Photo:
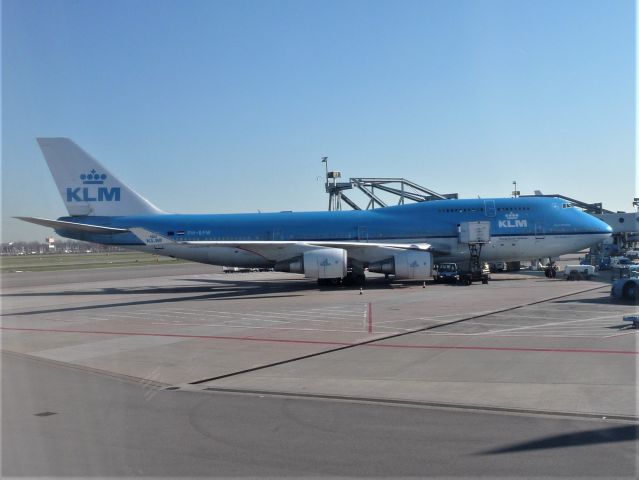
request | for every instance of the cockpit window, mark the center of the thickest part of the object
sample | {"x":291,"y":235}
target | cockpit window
{"x":567,"y":205}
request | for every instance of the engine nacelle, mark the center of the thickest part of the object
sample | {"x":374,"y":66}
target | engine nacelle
{"x":406,"y":265}
{"x":320,"y":263}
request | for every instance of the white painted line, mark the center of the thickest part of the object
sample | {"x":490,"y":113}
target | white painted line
{"x":331,"y":312}
{"x":541,"y":317}
{"x":104,"y":347}
{"x":260,"y":319}
{"x":633,"y":332}
{"x":314,"y":315}
{"x":424,"y":319}
{"x":301,"y":320}
{"x":287,"y":328}
{"x":177,"y":324}
{"x":550,"y":324}
{"x":248,"y":327}
{"x":515,"y":335}
{"x":174,"y":313}
{"x":180,"y":312}
{"x":120,"y":315}
{"x":492,"y":324}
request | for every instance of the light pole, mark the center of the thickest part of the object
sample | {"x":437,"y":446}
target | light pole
{"x":515,"y":192}
{"x":325,"y":162}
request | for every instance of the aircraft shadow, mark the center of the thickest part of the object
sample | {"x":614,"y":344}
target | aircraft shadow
{"x":212,"y":290}
{"x":231,"y":287}
{"x":627,"y":433}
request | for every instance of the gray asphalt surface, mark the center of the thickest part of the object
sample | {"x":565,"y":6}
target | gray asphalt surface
{"x":36,"y":279}
{"x":104,"y":426}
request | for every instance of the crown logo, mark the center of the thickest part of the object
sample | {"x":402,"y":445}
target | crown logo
{"x":93,"y":178}
{"x":512,"y":216}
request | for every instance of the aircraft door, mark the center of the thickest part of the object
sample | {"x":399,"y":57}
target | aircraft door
{"x":362,"y":233}
{"x":489,"y":208}
{"x":539,"y":231}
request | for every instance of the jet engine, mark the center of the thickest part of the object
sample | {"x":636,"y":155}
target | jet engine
{"x":320,"y":263}
{"x":406,"y":265}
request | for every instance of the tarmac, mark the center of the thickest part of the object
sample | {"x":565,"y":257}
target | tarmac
{"x":182,"y":370}
{"x":69,"y":422}
{"x":522,"y":343}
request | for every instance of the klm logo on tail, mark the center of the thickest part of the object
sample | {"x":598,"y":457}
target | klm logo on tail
{"x":91,"y":193}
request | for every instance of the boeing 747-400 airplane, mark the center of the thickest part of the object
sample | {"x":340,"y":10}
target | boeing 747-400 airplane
{"x":403,"y":240}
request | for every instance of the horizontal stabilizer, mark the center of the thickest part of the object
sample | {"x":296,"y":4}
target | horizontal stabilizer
{"x":82,"y":227}
{"x":150,"y":238}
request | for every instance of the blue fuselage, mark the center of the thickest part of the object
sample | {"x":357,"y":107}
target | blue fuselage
{"x":516,"y":225}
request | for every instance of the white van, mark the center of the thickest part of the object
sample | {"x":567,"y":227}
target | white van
{"x":620,"y":262}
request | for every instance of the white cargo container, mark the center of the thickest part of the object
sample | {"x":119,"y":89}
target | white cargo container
{"x":474,"y":232}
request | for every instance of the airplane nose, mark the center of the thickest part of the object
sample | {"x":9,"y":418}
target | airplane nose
{"x":600,"y":227}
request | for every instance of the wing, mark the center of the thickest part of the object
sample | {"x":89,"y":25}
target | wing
{"x":283,"y":250}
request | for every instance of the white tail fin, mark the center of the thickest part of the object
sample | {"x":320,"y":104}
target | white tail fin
{"x":86,"y":187}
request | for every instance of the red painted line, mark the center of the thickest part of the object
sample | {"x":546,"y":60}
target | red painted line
{"x":344,"y":344}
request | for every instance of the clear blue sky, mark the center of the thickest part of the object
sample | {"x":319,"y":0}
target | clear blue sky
{"x":228,"y":106}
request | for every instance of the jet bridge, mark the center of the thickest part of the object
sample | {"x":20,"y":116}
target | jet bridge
{"x":592,"y":208}
{"x":379,"y":192}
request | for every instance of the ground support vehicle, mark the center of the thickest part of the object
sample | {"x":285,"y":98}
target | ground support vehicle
{"x":447,"y":273}
{"x":579,"y":272}
{"x":626,"y":288}
{"x":620,"y":262}
{"x":477,"y":274}
{"x":466,"y":278}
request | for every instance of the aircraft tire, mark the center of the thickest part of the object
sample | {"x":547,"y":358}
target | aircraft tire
{"x":630,"y":291}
